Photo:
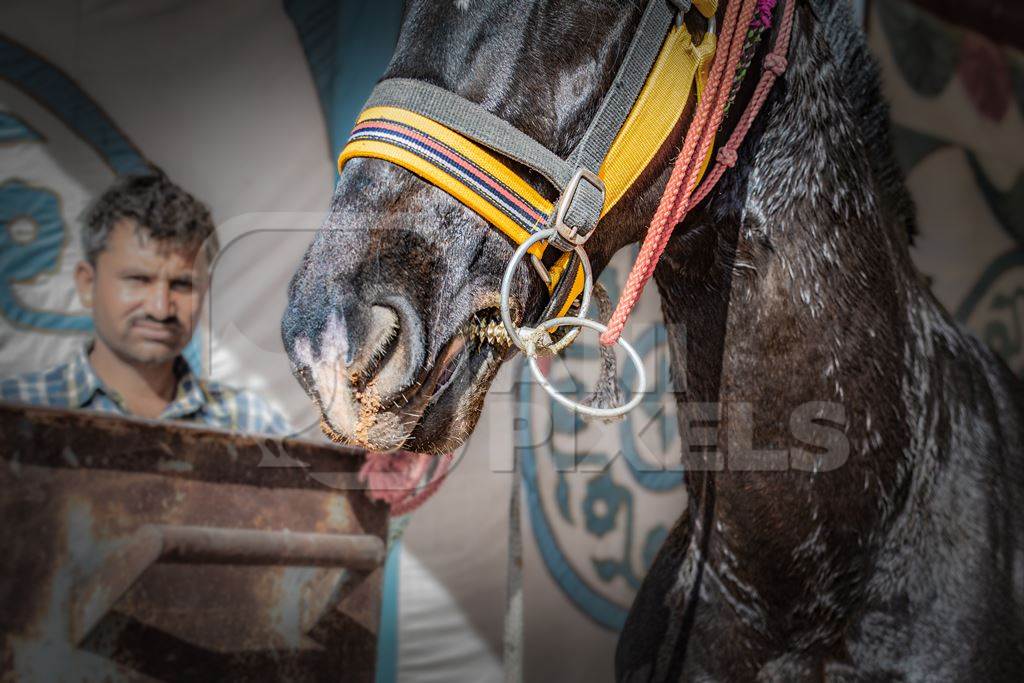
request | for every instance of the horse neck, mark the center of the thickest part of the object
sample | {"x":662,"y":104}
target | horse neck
{"x":798,"y":239}
{"x":792,"y":289}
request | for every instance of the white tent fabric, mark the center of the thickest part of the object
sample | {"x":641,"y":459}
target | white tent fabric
{"x":436,"y":643}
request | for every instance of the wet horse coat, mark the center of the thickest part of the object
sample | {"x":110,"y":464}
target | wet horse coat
{"x":891,"y":553}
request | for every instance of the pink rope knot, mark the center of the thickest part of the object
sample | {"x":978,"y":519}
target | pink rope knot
{"x":726,"y":157}
{"x":775,"y":63}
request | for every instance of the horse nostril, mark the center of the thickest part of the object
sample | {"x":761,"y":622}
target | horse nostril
{"x":364,"y":357}
{"x":388,"y":350}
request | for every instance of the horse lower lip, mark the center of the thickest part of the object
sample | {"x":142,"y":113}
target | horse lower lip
{"x":450,"y":368}
{"x":440,"y":376}
{"x":448,"y":363}
{"x":459,"y":349}
{"x":451,"y":361}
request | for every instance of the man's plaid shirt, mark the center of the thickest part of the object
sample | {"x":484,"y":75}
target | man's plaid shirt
{"x":74,"y":384}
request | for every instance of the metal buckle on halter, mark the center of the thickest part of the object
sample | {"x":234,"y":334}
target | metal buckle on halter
{"x":569,"y":237}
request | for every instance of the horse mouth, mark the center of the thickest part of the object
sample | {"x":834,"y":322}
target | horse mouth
{"x":404,"y":419}
{"x":480,"y":339}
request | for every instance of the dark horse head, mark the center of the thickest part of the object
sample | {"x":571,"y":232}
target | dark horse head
{"x":383,"y":308}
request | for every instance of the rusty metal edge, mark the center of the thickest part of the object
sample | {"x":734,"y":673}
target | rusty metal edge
{"x":50,"y":437}
{"x":118,"y":572}
{"x":124,"y":566}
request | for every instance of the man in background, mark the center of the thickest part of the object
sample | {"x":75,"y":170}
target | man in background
{"x":148,"y":247}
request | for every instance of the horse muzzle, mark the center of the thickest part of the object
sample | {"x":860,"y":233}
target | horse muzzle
{"x":372,"y":374}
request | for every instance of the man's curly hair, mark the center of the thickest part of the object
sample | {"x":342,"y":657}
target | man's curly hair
{"x":161,"y":210}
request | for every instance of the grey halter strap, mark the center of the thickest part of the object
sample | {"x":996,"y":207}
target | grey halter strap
{"x":581,"y":192}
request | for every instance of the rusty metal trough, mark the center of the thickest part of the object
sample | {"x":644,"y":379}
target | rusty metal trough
{"x":137,"y":550}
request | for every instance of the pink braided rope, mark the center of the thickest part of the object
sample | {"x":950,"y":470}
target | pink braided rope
{"x":707,"y":138}
{"x":684,"y":172}
{"x":774,"y":65}
{"x":672,"y":208}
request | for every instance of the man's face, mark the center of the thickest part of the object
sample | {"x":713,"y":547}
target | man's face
{"x":145,"y":295}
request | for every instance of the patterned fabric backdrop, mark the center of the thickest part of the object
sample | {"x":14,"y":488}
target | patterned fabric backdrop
{"x":957,"y":105}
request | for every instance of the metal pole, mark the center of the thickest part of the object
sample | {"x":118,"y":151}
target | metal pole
{"x":210,"y":545}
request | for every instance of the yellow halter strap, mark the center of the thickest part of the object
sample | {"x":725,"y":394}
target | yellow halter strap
{"x":486,"y":185}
